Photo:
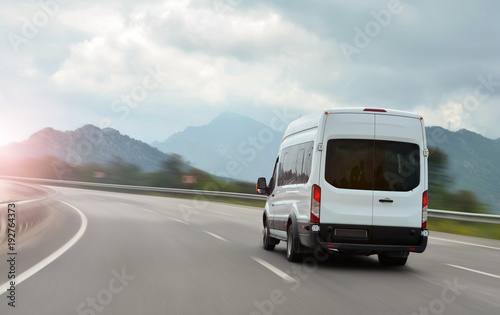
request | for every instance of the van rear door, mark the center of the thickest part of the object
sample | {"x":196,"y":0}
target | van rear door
{"x":399,"y":171}
{"x":346,"y":197}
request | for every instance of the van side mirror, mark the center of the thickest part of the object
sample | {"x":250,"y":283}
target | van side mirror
{"x":262,"y":186}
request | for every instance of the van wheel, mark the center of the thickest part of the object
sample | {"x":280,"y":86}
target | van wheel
{"x":392,"y":261}
{"x":268,"y":241}
{"x":291,"y":254}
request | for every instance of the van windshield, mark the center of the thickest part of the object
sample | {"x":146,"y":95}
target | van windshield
{"x":372,"y":164}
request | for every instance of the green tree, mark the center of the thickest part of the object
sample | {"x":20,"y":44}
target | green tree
{"x":173,"y":164}
{"x":122,"y":172}
{"x":172,"y":168}
{"x":440,"y":187}
{"x":438,"y":168}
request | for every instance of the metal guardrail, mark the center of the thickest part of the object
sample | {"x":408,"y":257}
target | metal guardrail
{"x":136,"y":188}
{"x":441,"y":214}
{"x":465,"y":216}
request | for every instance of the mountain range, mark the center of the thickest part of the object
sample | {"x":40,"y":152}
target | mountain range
{"x":88,"y":144}
{"x":474,"y":162}
{"x":230,"y":146}
{"x":237,"y":147}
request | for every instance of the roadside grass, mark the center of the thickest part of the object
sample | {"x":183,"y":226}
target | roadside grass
{"x":476,"y":229}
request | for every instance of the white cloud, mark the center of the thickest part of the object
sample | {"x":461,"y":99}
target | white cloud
{"x":97,"y":65}
{"x":449,"y":114}
{"x":249,"y":57}
{"x":216,"y":63}
{"x":95,"y":20}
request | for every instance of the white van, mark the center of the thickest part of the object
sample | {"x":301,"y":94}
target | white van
{"x":350,"y":180}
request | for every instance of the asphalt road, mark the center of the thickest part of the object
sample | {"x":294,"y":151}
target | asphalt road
{"x":11,"y":191}
{"x":135,"y":254}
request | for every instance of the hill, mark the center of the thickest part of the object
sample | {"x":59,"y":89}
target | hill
{"x":230,"y":146}
{"x":87,"y":144}
{"x":474,"y":162}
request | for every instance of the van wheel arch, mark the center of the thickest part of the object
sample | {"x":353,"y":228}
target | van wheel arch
{"x":292,"y":254}
{"x":268,"y":241}
{"x":292,"y":226}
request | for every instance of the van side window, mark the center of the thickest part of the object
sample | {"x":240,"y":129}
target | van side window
{"x":272,"y":181}
{"x":306,"y":170}
{"x":300,"y":163}
{"x":284,"y":173}
{"x":372,"y":165}
{"x":296,"y":162}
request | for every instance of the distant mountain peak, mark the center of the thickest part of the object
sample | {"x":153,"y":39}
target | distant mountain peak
{"x":222,"y":147}
{"x":46,"y":130}
{"x":230,"y":115}
{"x":89,"y":127}
{"x":44,"y":135}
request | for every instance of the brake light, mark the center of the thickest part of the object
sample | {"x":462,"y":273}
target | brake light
{"x":315,"y":203}
{"x":379,"y":110}
{"x":424,"y":209}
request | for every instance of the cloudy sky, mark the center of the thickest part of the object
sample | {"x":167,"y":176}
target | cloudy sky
{"x":152,"y":68}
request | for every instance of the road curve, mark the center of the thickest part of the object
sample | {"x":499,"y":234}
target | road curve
{"x":156,"y":255}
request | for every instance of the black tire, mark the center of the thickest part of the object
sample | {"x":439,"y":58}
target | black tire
{"x":392,"y":261}
{"x":268,"y":242}
{"x":291,"y":254}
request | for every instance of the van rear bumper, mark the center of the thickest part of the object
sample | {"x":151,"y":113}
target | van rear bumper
{"x":313,"y":241}
{"x":373,"y":248}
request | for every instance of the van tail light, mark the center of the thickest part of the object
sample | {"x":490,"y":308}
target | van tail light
{"x":424,"y":209}
{"x":315,"y":203}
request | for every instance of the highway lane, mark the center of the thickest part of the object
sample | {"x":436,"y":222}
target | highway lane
{"x":155,"y":255}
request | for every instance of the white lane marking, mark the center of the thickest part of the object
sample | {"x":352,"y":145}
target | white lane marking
{"x":42,"y":264}
{"x":143,"y":209}
{"x":217,"y":236}
{"x":99,"y":198}
{"x":123,"y":204}
{"x":277,"y":271}
{"x":221,"y":213}
{"x":476,"y":271}
{"x":464,"y":243}
{"x":178,"y":220}
{"x":28,"y":201}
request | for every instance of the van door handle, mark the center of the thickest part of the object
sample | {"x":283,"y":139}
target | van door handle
{"x":386,"y":200}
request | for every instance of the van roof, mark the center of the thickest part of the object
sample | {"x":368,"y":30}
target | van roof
{"x":312,"y":120}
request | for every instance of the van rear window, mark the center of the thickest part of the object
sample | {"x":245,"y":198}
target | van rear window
{"x":372,"y":164}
